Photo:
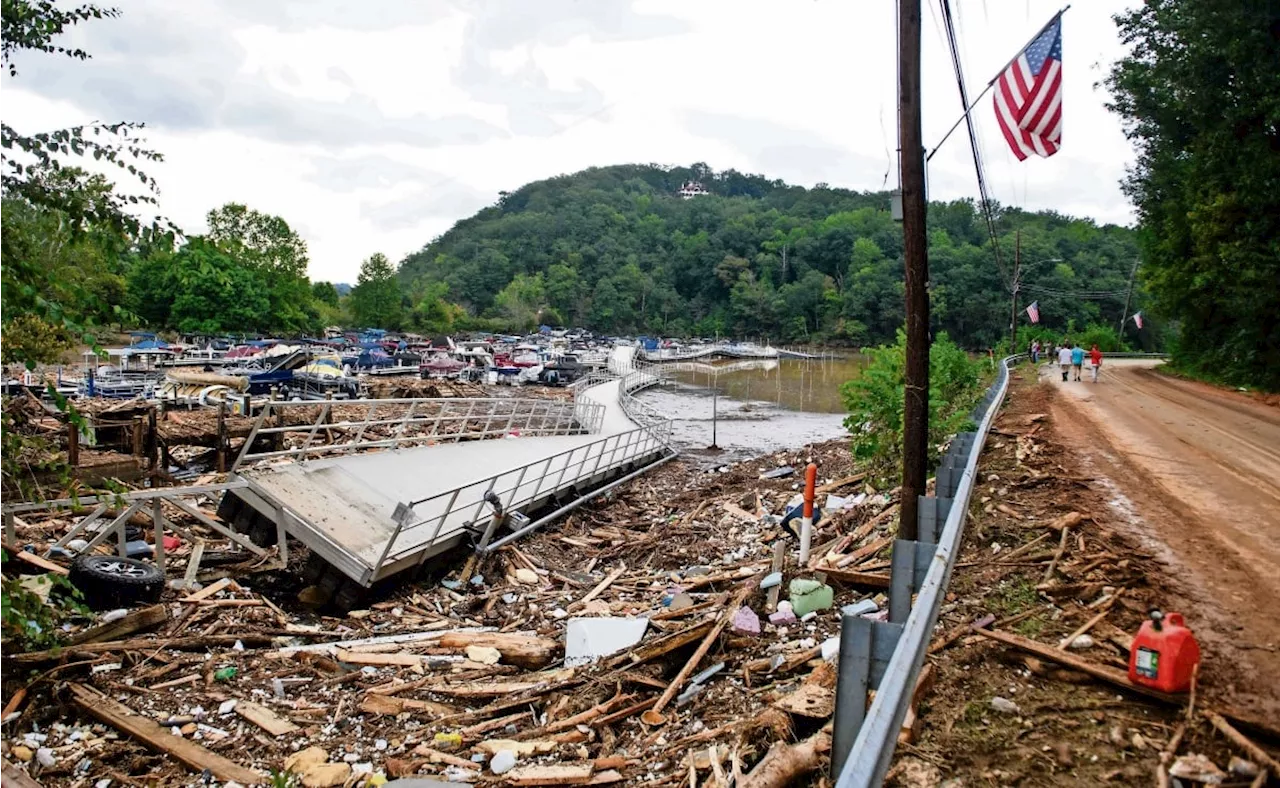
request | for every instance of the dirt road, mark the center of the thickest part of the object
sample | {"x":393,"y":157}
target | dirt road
{"x":1196,"y":477}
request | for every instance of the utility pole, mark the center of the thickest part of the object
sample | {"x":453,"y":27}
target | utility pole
{"x":1129,"y":295}
{"x":1013,"y":311}
{"x":915,"y":422}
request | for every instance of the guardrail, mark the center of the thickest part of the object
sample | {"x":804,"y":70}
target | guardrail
{"x":389,"y":423}
{"x":729,"y":351}
{"x":887,"y":656}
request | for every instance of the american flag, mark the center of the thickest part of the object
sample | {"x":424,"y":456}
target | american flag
{"x":1028,"y":98}
{"x":1033,"y":311}
{"x":1137,"y":320}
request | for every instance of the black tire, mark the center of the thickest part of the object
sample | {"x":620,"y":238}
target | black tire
{"x":263,"y":532}
{"x":314,"y":568}
{"x":107,"y":582}
{"x":350,"y":596}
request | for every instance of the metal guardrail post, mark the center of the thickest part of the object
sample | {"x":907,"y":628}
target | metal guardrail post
{"x":863,"y":763}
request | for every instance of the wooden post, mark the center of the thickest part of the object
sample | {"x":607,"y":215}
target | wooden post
{"x":915,"y":432}
{"x":137,"y":436}
{"x":73,"y":445}
{"x":153,"y":440}
{"x":221,"y":451}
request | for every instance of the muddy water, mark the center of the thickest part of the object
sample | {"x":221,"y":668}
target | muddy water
{"x":759,"y":406}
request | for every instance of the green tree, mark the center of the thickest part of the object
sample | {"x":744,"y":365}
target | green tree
{"x":1199,"y":95}
{"x":269,"y":246}
{"x":215,"y":293}
{"x":375,"y":300}
{"x":52,"y":281}
{"x":325,"y":293}
{"x":520,"y":303}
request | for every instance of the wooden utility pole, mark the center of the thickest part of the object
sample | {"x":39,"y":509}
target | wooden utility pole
{"x":1013,"y":310}
{"x":915,"y":423}
{"x":1129,"y":295}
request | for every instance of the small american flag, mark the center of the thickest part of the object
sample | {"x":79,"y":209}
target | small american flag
{"x":1033,"y":311}
{"x":1137,"y":320}
{"x":1028,"y":99}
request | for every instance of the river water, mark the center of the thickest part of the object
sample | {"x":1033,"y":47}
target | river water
{"x":759,"y":406}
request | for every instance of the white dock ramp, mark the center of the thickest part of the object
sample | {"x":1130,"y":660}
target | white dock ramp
{"x":372,"y":514}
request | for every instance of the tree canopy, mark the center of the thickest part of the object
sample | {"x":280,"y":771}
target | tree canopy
{"x":616,"y":249}
{"x":1199,"y":94}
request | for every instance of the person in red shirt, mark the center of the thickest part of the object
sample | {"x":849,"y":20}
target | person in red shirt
{"x":1095,"y":361}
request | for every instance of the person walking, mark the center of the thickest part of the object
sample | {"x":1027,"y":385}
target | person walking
{"x":1077,"y":360}
{"x":1095,"y":361}
{"x":1064,"y":361}
{"x":1035,"y":352}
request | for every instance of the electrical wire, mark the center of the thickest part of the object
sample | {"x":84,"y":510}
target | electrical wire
{"x":978,"y":165}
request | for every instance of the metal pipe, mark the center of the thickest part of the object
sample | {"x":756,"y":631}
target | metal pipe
{"x":536,"y":524}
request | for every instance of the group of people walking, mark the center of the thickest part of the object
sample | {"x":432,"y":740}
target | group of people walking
{"x":1070,"y":358}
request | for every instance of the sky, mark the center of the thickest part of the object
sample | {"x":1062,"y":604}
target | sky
{"x":374,"y":125}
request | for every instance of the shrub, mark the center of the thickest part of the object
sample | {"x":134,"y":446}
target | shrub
{"x":875,"y":402}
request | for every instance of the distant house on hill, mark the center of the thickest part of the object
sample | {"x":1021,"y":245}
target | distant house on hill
{"x":692,"y":189}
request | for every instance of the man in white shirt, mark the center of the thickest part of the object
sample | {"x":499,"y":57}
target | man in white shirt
{"x":1064,"y":360}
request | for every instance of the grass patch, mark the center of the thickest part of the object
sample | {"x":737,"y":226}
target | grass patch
{"x":1013,"y":597}
{"x":1030,"y":627}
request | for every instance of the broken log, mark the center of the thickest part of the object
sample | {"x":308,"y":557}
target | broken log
{"x":1237,"y":738}
{"x":525,"y":651}
{"x":785,"y":763}
{"x":185,"y":751}
{"x":1110,"y":675}
{"x":136,"y":621}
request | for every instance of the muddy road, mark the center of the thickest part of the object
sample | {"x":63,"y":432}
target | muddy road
{"x":1194,"y":472}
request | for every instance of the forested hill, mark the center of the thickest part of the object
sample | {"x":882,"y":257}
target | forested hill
{"x":615,"y":249}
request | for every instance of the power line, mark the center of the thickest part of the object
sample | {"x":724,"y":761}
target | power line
{"x":979,"y":169}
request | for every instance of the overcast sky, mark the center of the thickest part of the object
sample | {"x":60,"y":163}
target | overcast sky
{"x":374,"y":125}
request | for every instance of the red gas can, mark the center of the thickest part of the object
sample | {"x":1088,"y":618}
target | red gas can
{"x":1164,"y":654}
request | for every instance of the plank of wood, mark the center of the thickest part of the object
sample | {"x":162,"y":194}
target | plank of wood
{"x":191,"y":678}
{"x":662,"y":645}
{"x":1110,"y":675}
{"x":37,"y":561}
{"x":809,"y":700}
{"x":838,"y":483}
{"x":595,"y":592}
{"x":208,"y":590}
{"x":17,"y":778}
{"x":265,"y":718}
{"x":483,"y":689}
{"x":396,"y":659}
{"x":524,"y":650}
{"x":555,"y":774}
{"x":185,"y":751}
{"x":866,"y":551}
{"x":740,"y":513}
{"x":390,"y":704}
{"x":854,"y":578}
{"x":136,"y":621}
{"x":142,"y":644}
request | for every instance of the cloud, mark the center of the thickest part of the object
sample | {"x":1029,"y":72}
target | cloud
{"x":446,"y":199}
{"x":795,"y":155}
{"x":496,"y":26}
{"x":190,"y":78}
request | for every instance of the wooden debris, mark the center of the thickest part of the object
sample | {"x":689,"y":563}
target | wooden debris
{"x":187,"y":752}
{"x":523,"y":650}
{"x":136,"y":621}
{"x":1237,"y":738}
{"x":1057,"y":556}
{"x":785,"y":763}
{"x":209,"y":590}
{"x":663,"y":645}
{"x":838,"y":483}
{"x":265,"y":718}
{"x":1088,"y":625}
{"x":705,"y":646}
{"x":143,"y":644}
{"x":389,"y":704}
{"x":555,"y":774}
{"x":1110,"y":675}
{"x":17,"y":778}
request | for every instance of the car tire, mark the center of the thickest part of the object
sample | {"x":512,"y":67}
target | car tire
{"x":108,"y":582}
